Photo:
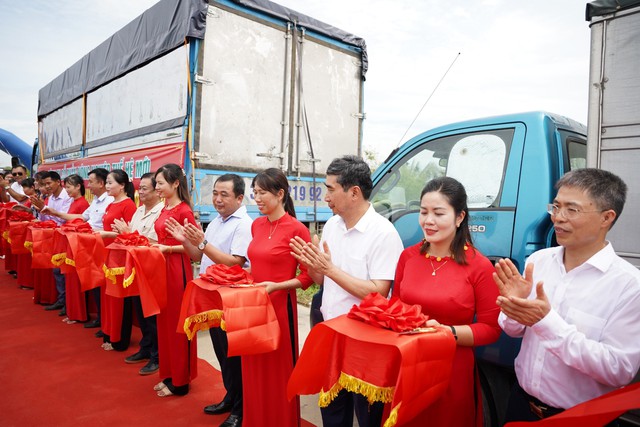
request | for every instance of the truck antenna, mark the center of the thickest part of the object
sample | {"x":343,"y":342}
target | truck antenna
{"x":425,"y":102}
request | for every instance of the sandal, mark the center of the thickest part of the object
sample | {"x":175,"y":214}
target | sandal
{"x":161,"y":385}
{"x":107,"y":346}
{"x":164,"y":392}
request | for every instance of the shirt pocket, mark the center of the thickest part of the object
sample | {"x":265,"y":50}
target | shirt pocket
{"x":586,"y":323}
{"x":356,"y":266}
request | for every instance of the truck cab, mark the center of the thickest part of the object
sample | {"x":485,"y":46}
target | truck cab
{"x":508,"y":165}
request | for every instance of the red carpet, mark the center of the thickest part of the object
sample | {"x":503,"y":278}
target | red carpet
{"x":57,"y":375}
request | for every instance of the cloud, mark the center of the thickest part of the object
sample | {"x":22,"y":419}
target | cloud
{"x":515,"y":56}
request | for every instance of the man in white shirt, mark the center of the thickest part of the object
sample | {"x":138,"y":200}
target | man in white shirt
{"x":357,"y":255}
{"x":225,"y":242}
{"x":12,"y":191}
{"x":580,"y":322}
{"x":143,"y":222}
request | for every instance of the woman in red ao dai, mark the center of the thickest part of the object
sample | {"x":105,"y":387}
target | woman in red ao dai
{"x":453,"y":284}
{"x":265,"y":375}
{"x":178,"y":355}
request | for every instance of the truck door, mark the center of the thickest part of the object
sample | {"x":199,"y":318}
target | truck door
{"x":486,"y":160}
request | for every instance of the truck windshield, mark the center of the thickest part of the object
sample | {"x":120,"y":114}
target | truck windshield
{"x":475,"y":159}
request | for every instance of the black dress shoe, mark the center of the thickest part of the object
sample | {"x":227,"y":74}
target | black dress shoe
{"x":218,"y":408}
{"x":99,"y":334}
{"x":232,"y":421}
{"x":136,"y":358}
{"x":92,"y":324}
{"x":150,"y":368}
{"x":55,"y":306}
{"x":63,"y":312}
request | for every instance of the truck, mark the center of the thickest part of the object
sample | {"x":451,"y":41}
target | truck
{"x":219,"y":86}
{"x":509,"y":164}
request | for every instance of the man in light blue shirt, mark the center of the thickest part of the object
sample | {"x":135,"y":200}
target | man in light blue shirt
{"x":59,"y":201}
{"x":225,"y":242}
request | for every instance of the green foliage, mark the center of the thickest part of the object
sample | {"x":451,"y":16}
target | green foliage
{"x":304,"y":296}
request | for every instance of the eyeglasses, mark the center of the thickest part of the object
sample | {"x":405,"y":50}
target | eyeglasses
{"x":17,"y":173}
{"x":568,"y":213}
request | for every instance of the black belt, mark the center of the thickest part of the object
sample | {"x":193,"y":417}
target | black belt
{"x":541,"y":409}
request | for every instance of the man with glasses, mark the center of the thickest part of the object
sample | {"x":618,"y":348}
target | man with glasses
{"x":12,"y":192}
{"x":580,"y":322}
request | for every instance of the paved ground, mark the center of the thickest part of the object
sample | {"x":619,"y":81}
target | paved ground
{"x":308,"y":404}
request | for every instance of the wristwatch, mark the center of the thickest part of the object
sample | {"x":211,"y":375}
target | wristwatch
{"x":202,"y":245}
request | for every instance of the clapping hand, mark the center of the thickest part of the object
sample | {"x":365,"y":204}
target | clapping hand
{"x":514,"y":291}
{"x":121,"y":226}
{"x":310,"y":255}
{"x":37,"y":203}
{"x":176,"y":230}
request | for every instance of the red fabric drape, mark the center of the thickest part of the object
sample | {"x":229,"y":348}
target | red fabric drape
{"x":593,"y":413}
{"x":337,"y":355}
{"x":18,"y":236}
{"x":40,"y":239}
{"x":133,"y":270}
{"x":245,"y":311}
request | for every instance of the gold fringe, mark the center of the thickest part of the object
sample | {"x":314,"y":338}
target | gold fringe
{"x":393,"y":416}
{"x":202,"y":322}
{"x":5,"y":236}
{"x":58,"y":259}
{"x":29,"y":245}
{"x":129,"y":280}
{"x":111,"y":273}
{"x":371,"y":392}
{"x":70,"y":262}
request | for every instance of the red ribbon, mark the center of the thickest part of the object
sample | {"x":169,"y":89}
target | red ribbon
{"x":391,"y":314}
{"x":44,"y":224}
{"x":223,"y":275}
{"x":76,"y":225}
{"x":132,"y":239}
{"x":20,"y":216}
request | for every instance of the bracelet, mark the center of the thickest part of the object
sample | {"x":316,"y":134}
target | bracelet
{"x":453,"y":331}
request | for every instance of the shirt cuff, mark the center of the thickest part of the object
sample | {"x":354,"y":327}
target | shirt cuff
{"x":550,"y":326}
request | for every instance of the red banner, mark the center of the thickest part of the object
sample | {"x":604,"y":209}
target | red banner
{"x":135,"y":162}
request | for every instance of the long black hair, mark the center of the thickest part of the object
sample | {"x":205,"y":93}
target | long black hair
{"x":74,"y":180}
{"x":456,"y":195}
{"x":122,"y":178}
{"x":172,"y":173}
{"x":273,"y":180}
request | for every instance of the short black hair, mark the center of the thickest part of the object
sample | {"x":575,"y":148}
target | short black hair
{"x":100,"y":173}
{"x":55,"y":176}
{"x":238,"y":182}
{"x":607,"y":190}
{"x":151,"y":176}
{"x":352,"y":171}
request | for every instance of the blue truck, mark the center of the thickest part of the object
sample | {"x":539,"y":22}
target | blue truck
{"x":509,"y":165}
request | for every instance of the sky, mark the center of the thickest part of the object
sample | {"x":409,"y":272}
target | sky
{"x":514,"y":56}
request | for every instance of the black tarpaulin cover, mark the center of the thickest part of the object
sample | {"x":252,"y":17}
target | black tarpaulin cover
{"x":160,"y":29}
{"x":604,"y":7}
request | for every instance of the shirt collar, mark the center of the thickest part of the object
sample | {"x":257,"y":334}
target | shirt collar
{"x":62,"y":195}
{"x":364,"y":222}
{"x":601,"y":260}
{"x":239,"y":213}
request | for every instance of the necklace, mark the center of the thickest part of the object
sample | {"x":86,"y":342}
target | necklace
{"x":432,"y":266}
{"x":274,"y":228}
